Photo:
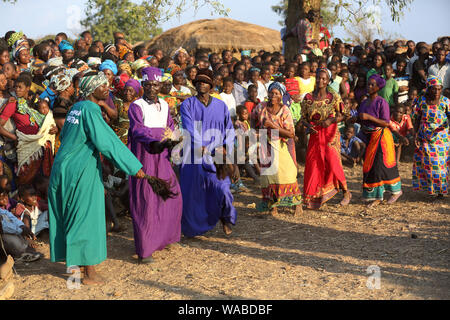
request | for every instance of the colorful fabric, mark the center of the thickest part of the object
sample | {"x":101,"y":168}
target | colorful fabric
{"x":324,"y":175}
{"x":278,"y":86}
{"x":431,"y":166}
{"x":35,"y":116}
{"x":246,"y":53}
{"x":178,"y":51}
{"x":60,"y":82}
{"x":108,"y":64}
{"x":380,"y":172}
{"x":18,"y":47}
{"x":292,"y":86}
{"x":167,"y":77}
{"x":123,"y":51}
{"x":381,"y":83}
{"x":403,"y":127}
{"x":303,"y":31}
{"x":65,"y":45}
{"x":173,"y":68}
{"x":88,"y":84}
{"x":139,"y":64}
{"x":15,"y":37}
{"x":125,"y":66}
{"x":134,"y":84}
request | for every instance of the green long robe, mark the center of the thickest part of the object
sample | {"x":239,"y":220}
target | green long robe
{"x":76,"y":193}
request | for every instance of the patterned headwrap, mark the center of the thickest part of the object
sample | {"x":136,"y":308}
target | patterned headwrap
{"x":60,"y":82}
{"x":327,"y":71}
{"x":254,"y":69}
{"x":151,"y":74}
{"x":381,"y":83}
{"x":167,"y":77}
{"x":139,"y":64}
{"x":246,"y":53}
{"x":94,"y":61}
{"x":278,"y":86}
{"x":123,"y":50}
{"x":55,"y":62}
{"x":173,"y":68}
{"x":72,"y":72}
{"x":15,"y":37}
{"x":108,"y":47}
{"x":88,"y":84}
{"x":433,"y":81}
{"x":108,"y":64}
{"x":18,"y":46}
{"x":134,"y":84}
{"x":178,"y":51}
{"x":80,"y":65}
{"x":125,"y":66}
{"x":120,"y":81}
{"x":64,"y":45}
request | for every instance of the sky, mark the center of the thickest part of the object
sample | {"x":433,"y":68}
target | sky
{"x":425,"y":20}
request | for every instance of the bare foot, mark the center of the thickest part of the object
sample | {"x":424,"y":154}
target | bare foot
{"x":373,"y":204}
{"x":227,"y":228}
{"x":274,"y":211}
{"x":347,"y":198}
{"x":394,"y":198}
{"x":91,"y":277}
{"x":298,"y":210}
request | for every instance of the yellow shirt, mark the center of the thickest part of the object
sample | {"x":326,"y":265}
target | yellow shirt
{"x":306,"y":86}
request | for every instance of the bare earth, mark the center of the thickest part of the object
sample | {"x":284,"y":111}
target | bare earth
{"x":321,"y":255}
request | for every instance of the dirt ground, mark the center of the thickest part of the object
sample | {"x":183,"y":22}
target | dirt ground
{"x":321,"y":255}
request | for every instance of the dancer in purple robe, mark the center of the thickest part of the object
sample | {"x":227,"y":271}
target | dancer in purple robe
{"x":156,"y":223}
{"x":206,"y":198}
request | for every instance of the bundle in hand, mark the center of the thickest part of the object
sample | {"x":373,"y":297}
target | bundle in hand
{"x":160,"y":187}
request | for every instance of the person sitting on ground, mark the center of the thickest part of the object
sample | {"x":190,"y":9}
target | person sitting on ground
{"x":352,"y":148}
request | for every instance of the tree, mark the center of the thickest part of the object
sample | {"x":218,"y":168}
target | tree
{"x":346,"y":12}
{"x":138,"y":21}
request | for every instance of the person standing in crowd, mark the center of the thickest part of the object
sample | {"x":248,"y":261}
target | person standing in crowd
{"x":278,"y":165}
{"x":76,"y":192}
{"x":207,"y":198}
{"x":324,"y":176}
{"x":380,"y":165}
{"x":303,"y":32}
{"x":431,"y":163}
{"x":156,"y":222}
{"x":441,"y":68}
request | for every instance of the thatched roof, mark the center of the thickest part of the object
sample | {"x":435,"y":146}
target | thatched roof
{"x":217,"y":35}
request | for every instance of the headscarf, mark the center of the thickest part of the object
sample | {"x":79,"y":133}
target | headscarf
{"x":167,"y":77}
{"x":253,"y":69}
{"x":55,"y":62}
{"x":178,"y":51}
{"x":80,"y":65}
{"x":108,"y":47}
{"x":15,"y":37}
{"x":134,"y":84}
{"x":433,"y":81}
{"x":379,"y":80}
{"x":246,"y":53}
{"x":120,"y":81}
{"x":18,"y":46}
{"x":278,"y":86}
{"x":108,"y":64}
{"x":88,"y":84}
{"x":94,"y":61}
{"x":72,"y":72}
{"x":139,"y":64}
{"x":64,"y":45}
{"x":328,"y":72}
{"x":151,"y":74}
{"x":123,"y":50}
{"x":60,"y":82}
{"x":173,"y":68}
{"x":125,"y":66}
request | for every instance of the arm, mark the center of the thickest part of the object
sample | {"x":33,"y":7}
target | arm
{"x":111,"y":112}
{"x":7,"y":112}
{"x":138,"y":131}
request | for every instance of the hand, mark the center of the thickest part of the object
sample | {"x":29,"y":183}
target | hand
{"x":326,"y":123}
{"x":140,"y":174}
{"x":268,"y":123}
{"x":26,"y":232}
{"x":53,"y":130}
{"x":417,"y":141}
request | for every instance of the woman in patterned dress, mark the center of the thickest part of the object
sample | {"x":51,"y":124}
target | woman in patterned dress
{"x":324,"y":176}
{"x":432,"y":156}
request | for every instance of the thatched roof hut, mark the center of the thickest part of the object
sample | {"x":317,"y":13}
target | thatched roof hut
{"x":217,"y":35}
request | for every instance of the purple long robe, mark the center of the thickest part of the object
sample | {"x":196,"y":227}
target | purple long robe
{"x":156,"y":223}
{"x":206,"y":199}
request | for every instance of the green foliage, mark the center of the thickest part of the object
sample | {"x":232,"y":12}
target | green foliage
{"x":137,"y":20}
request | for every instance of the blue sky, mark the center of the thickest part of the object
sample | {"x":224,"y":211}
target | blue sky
{"x":37,"y":18}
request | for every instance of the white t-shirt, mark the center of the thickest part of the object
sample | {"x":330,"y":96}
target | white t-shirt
{"x":183,"y":90}
{"x":230,"y":102}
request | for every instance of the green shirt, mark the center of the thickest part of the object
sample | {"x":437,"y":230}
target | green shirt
{"x":389,"y":90}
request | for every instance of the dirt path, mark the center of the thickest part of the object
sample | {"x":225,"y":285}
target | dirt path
{"x":322,"y":255}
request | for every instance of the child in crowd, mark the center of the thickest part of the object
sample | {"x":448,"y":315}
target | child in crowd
{"x":6,"y":202}
{"x":402,"y":129}
{"x":242,"y":126}
{"x":402,"y":79}
{"x":252,"y":100}
{"x":27,"y":210}
{"x":352,"y":148}
{"x":306,"y":82}
{"x":227,"y":96}
{"x":390,"y":90}
{"x":292,"y":88}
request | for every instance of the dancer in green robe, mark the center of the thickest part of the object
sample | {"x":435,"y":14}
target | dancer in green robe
{"x":76,"y":192}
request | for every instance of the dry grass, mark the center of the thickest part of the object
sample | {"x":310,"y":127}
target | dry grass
{"x":321,"y":255}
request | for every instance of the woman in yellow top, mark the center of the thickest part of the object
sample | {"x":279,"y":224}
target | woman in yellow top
{"x":306,"y":82}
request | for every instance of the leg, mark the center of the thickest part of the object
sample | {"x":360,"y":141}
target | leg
{"x":347,"y":198}
{"x":298,"y":210}
{"x":226,"y":227}
{"x":274,"y":211}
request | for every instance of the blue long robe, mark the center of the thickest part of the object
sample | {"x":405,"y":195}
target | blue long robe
{"x":206,"y":199}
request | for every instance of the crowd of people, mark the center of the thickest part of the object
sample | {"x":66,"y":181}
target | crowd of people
{"x":84,"y":126}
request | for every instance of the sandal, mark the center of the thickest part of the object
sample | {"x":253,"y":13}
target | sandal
{"x":29,"y":257}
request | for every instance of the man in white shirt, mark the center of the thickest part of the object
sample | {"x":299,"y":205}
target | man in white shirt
{"x":441,"y":69}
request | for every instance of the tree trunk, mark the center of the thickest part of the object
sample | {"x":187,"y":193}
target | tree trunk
{"x":298,"y":9}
